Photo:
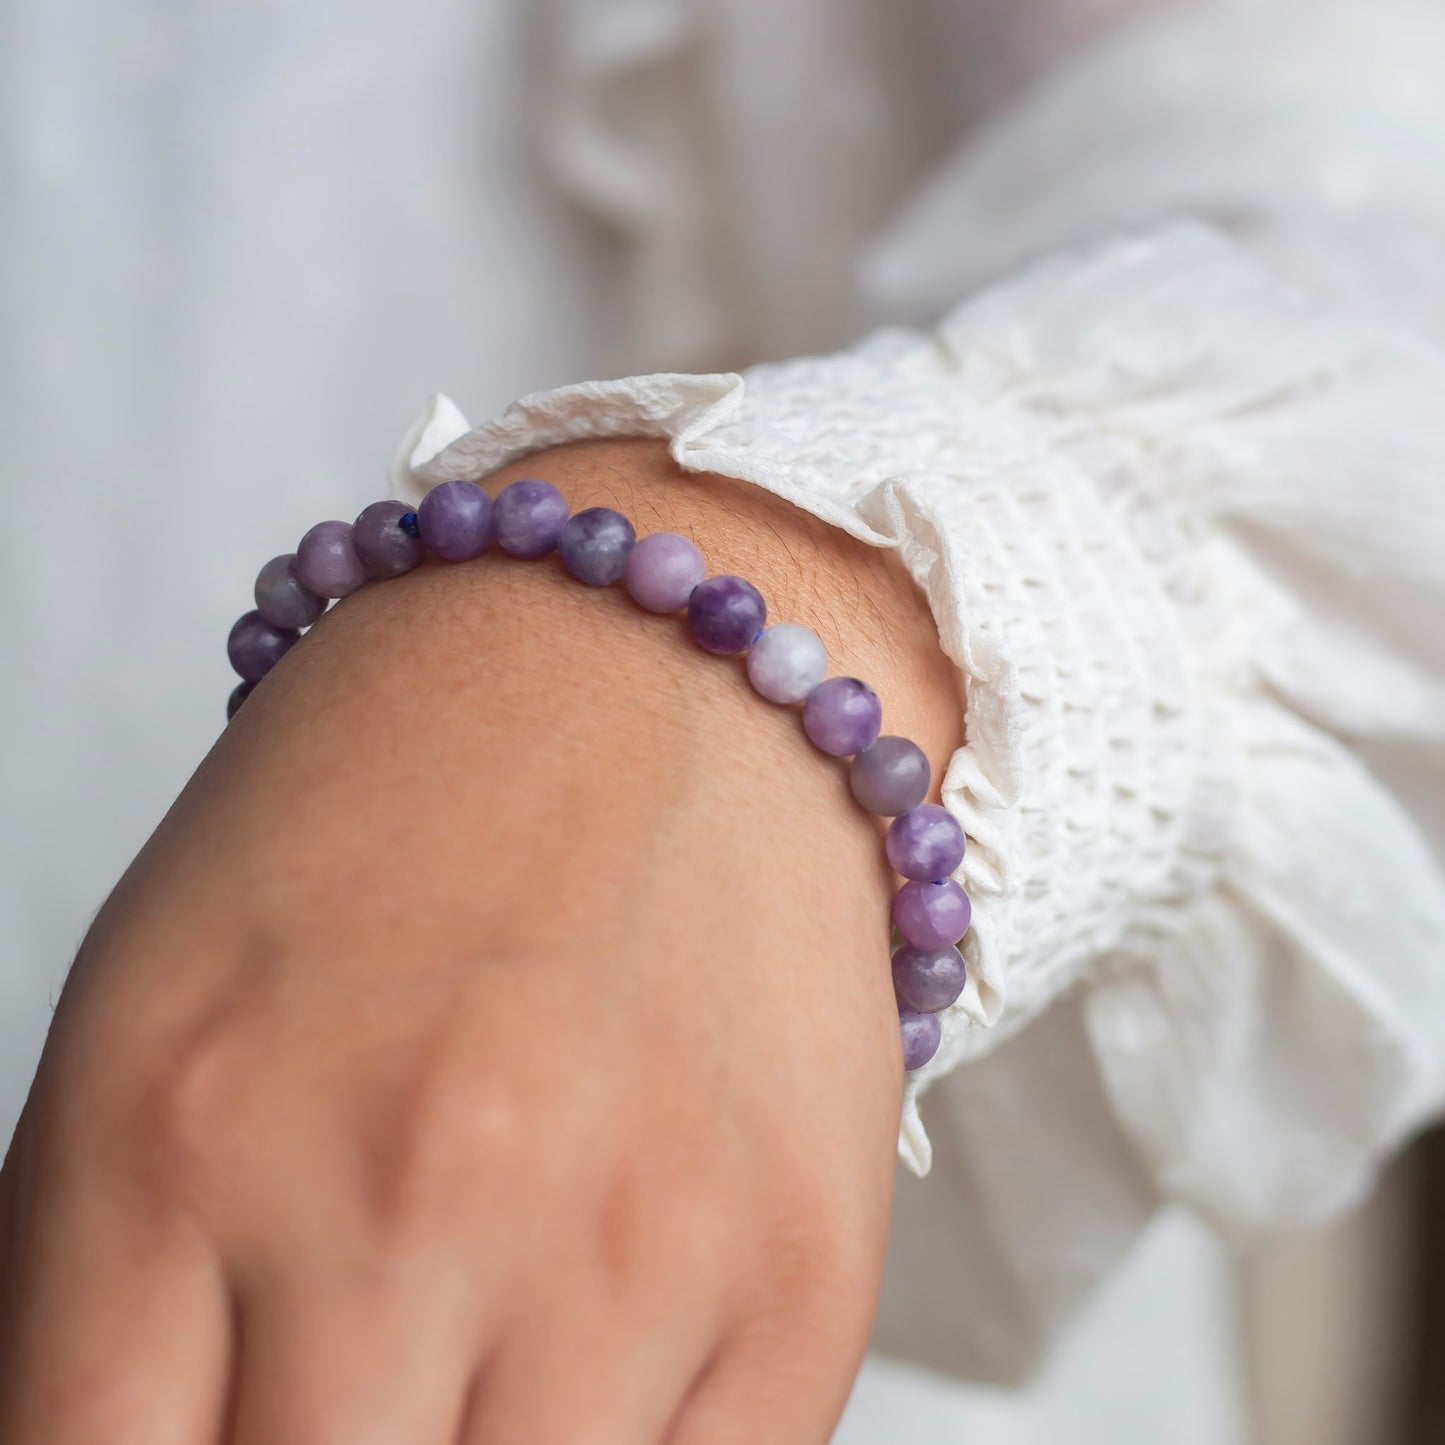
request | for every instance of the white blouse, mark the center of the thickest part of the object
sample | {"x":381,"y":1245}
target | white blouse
{"x":1177,"y":499}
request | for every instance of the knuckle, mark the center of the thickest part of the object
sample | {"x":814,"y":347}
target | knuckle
{"x":624,"y":1232}
{"x":449,"y":1134}
{"x":136,"y":1118}
{"x":820,"y":1271}
{"x":187,"y":1112}
{"x":662,"y":1201}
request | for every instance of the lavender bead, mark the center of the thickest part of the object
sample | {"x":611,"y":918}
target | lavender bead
{"x":595,"y":544}
{"x":787,"y":662}
{"x":890,"y":777}
{"x":255,"y":646}
{"x":662,"y":571}
{"x":455,"y":521}
{"x":922,"y":1034}
{"x":381,"y":541}
{"x":280,"y":597}
{"x":925,"y":843}
{"x":928,"y":979}
{"x":528,"y":516}
{"x":724,"y":614}
{"x":932,"y":915}
{"x":842,"y":716}
{"x":327,"y":562}
{"x":242,"y":691}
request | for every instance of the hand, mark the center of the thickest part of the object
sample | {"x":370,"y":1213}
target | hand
{"x":495,"y":1041}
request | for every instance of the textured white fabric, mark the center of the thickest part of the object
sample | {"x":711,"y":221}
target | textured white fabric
{"x":1182,"y":534}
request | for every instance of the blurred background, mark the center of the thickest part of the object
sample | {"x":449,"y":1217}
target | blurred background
{"x":242,"y":244}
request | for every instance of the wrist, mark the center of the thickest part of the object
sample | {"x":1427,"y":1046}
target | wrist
{"x":487,"y":759}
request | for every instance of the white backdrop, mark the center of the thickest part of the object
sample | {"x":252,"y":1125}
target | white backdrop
{"x":241,"y":245}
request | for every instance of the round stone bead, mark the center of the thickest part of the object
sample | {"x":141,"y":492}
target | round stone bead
{"x":842,"y":716}
{"x":386,"y":547}
{"x":280,"y":597}
{"x":528,"y":517}
{"x":255,"y":646}
{"x":932,"y":915}
{"x":890,"y":777}
{"x":455,"y":521}
{"x":724,"y":614}
{"x":662,"y":571}
{"x":925,"y":843}
{"x":787,"y":662}
{"x":928,"y":979}
{"x":327,"y":562}
{"x":238,"y":696}
{"x":922,"y":1034}
{"x":594,"y":545}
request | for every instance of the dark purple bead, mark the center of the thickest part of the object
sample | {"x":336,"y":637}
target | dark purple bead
{"x":925,"y":843}
{"x":327,"y":562}
{"x":239,"y":695}
{"x":528,"y":517}
{"x":932,"y":915}
{"x":455,"y":521}
{"x":890,"y":777}
{"x":280,"y":597}
{"x":842,"y":715}
{"x":928,"y":979}
{"x":922,"y":1034}
{"x":724,"y":614}
{"x":381,"y":540}
{"x":255,"y":646}
{"x":594,"y":545}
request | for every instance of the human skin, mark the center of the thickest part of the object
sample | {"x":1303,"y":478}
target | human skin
{"x":495,"y":1041}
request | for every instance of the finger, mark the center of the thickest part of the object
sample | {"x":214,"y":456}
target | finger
{"x":768,"y":1391}
{"x":588,"y":1379}
{"x":351,"y":1361}
{"x":117,"y":1327}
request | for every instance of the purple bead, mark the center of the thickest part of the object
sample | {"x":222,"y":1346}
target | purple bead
{"x":255,"y":646}
{"x":594,"y":545}
{"x":928,"y":979}
{"x":842,"y":716}
{"x":455,"y":521}
{"x":890,"y":777}
{"x":925,"y":843}
{"x":327,"y":562}
{"x":662,"y":571}
{"x":932,"y":915}
{"x":381,"y":541}
{"x":724,"y":614}
{"x":280,"y":597}
{"x":242,"y":691}
{"x":787,"y":662}
{"x":528,"y":517}
{"x":922,"y":1034}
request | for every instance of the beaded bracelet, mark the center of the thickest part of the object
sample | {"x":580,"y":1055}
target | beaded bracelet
{"x":664,"y":572}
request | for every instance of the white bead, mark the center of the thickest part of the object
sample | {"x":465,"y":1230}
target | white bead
{"x":787,"y":662}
